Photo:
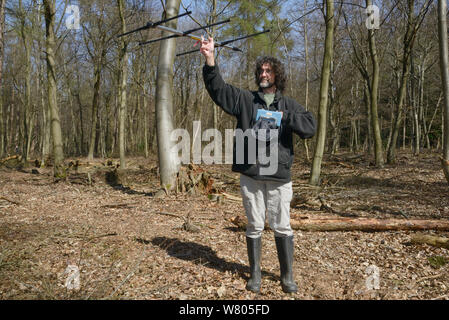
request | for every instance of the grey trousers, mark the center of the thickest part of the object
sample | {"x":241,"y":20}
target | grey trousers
{"x":266,"y":199}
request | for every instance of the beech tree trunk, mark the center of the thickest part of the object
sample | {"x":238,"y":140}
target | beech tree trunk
{"x":164,"y":102}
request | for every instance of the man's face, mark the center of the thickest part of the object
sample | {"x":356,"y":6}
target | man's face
{"x":266,"y":77}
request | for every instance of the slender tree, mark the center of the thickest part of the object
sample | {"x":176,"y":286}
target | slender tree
{"x":97,"y":37}
{"x":24,"y":30}
{"x":306,"y":57}
{"x":45,"y":124}
{"x":2,"y":126}
{"x":378,"y":149}
{"x":123,"y":65}
{"x":50,"y":44}
{"x":413,"y":24}
{"x":324,"y":93}
{"x":444,"y":67}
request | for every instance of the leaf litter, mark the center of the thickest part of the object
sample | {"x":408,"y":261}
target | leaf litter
{"x":129,"y":244}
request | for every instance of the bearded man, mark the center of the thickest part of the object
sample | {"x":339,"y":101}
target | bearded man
{"x":264,"y":195}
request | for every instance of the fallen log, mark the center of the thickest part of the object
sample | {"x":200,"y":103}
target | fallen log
{"x":331,"y":223}
{"x":430,"y":240}
{"x":12,"y":162}
{"x":9,"y":158}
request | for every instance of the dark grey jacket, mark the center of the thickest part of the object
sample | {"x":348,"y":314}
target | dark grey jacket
{"x":243,"y":104}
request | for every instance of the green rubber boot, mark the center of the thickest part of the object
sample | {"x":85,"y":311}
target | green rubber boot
{"x":254,"y":246}
{"x":284,"y":246}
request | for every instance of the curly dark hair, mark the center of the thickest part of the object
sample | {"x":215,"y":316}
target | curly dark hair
{"x":278,"y":69}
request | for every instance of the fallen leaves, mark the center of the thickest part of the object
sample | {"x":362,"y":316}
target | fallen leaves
{"x":129,"y":244}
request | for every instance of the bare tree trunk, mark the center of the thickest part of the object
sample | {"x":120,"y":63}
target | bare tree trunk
{"x":413,"y":25}
{"x":391,"y":156}
{"x":145,"y":124}
{"x":306,"y":51}
{"x":73,"y":134}
{"x":444,"y":67}
{"x":146,"y":135}
{"x":123,"y":65}
{"x":420,"y":97}
{"x":2,"y":126}
{"x":368,"y":144}
{"x":46,"y":124}
{"x":95,"y":102}
{"x":414,"y":110}
{"x":422,"y":109}
{"x":333,"y":126}
{"x":404,"y":131}
{"x":324,"y":94}
{"x":25,"y":35}
{"x":8,"y":123}
{"x":58,"y":153}
{"x":164,"y":102}
{"x":81,"y":124}
{"x":378,"y":150}
{"x":429,"y":127}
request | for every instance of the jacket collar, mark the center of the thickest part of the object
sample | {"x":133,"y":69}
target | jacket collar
{"x":277,"y":95}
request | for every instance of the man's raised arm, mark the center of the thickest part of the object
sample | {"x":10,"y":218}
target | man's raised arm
{"x":208,"y":51}
{"x":224,"y":95}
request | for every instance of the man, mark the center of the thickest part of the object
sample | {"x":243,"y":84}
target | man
{"x":261,"y":193}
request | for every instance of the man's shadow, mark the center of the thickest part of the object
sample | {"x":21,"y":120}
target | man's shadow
{"x":202,"y":255}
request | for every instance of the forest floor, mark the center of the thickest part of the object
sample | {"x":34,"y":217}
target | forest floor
{"x":129,"y":244}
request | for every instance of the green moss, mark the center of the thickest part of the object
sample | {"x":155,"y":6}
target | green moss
{"x":437,"y":261}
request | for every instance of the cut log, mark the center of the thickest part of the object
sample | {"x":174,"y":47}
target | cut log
{"x":12,"y":162}
{"x":331,"y":223}
{"x":430,"y":240}
{"x":9,"y":158}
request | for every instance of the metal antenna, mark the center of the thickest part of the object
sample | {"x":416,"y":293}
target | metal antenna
{"x":154,"y":24}
{"x":225,"y":43}
{"x":185,"y":33}
{"x":188,"y":33}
